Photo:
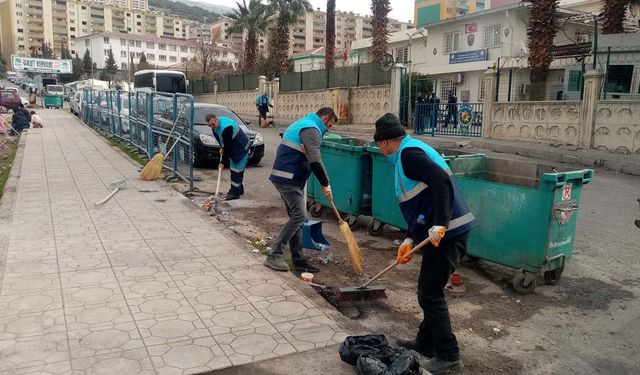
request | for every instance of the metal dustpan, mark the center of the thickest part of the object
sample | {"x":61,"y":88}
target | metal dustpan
{"x":312,"y":237}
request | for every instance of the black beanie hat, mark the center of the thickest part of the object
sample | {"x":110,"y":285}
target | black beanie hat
{"x":388,"y":127}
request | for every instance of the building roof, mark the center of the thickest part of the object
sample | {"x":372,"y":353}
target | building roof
{"x":141,"y":37}
{"x":316,"y":52}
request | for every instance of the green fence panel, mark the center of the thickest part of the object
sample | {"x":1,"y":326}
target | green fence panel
{"x":371,"y":75}
{"x":208,"y":86}
{"x":251,"y":81}
{"x":291,"y":82}
{"x":223,"y":84}
{"x":314,"y":80}
{"x":197,"y":87}
{"x":236,"y":83}
{"x":343,"y":77}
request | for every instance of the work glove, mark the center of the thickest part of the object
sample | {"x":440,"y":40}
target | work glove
{"x":403,"y":251}
{"x":436,"y":233}
{"x":326,"y":191}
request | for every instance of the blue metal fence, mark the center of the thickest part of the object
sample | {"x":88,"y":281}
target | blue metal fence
{"x":460,"y":119}
{"x":145,"y":121}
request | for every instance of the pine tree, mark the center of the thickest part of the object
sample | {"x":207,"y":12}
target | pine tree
{"x":143,"y":64}
{"x":110,"y":67}
{"x":47,"y":51}
{"x":77,"y":68}
{"x":87,"y":63}
{"x":3,"y":66}
{"x":65,"y":78}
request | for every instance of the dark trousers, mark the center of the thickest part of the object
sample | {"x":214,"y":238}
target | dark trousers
{"x":291,"y":233}
{"x":438,"y":263}
{"x":262,"y":110}
{"x":451,"y":114}
{"x":237,"y":175}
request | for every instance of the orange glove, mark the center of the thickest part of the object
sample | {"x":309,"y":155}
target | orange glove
{"x":436,"y":233}
{"x":404,"y":250}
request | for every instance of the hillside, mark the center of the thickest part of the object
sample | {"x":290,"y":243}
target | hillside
{"x":220,"y":9}
{"x":191,"y":12}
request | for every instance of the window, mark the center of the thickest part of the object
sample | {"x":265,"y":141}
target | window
{"x":482,"y":89}
{"x":162,"y":46}
{"x":172,"y":47}
{"x":139,"y":23}
{"x":19,"y":14}
{"x":172,"y":59}
{"x":574,"y":80}
{"x":151,"y":45}
{"x":123,"y":53}
{"x":138,"y":43}
{"x":72,"y":29}
{"x":446,"y":85}
{"x":162,"y":57}
{"x":83,"y":7}
{"x":106,"y":52}
{"x":151,"y":56}
{"x":84,"y":22}
{"x":451,"y":42}
{"x":106,"y":40}
{"x":87,"y":42}
{"x":132,"y":43}
{"x":402,"y":55}
{"x":183,"y":59}
{"x":619,"y":79}
{"x":492,"y":36}
{"x":20,"y":30}
{"x":583,"y":37}
{"x":124,"y":65}
{"x":183,"y":49}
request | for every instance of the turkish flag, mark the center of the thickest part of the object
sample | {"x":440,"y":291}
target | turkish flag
{"x":470,"y":28}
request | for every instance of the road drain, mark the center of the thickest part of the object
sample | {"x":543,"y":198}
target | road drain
{"x":348,"y":309}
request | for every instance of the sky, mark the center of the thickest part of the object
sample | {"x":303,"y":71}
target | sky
{"x":401,"y":10}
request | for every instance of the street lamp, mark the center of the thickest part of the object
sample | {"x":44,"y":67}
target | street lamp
{"x":423,"y":32}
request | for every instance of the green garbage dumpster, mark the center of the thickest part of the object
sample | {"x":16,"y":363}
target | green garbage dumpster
{"x":526,"y":213}
{"x":52,"y":101}
{"x":348,"y":165}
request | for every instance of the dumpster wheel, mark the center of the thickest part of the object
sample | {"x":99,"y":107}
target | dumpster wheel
{"x":375,"y":228}
{"x":552,"y":277}
{"x":524,"y":283}
{"x":350,"y":219}
{"x":316,"y":209}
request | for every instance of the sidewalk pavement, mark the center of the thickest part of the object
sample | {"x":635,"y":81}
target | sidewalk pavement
{"x":629,"y":164}
{"x":144,"y":284}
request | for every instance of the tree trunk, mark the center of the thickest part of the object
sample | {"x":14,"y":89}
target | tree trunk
{"x":379,"y":23}
{"x":250,"y":53}
{"x":282,"y":48}
{"x":613,"y":16}
{"x":541,"y":31}
{"x":330,"y":39}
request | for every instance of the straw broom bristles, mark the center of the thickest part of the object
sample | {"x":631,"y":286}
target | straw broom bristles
{"x":354,"y":249}
{"x":153,"y":169}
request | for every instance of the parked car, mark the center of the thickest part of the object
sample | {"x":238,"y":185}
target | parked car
{"x":75,"y":104}
{"x":206,"y":147}
{"x":9,"y":99}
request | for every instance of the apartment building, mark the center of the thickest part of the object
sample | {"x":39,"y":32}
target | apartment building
{"x":160,"y":51}
{"x":432,"y":11}
{"x":309,"y":31}
{"x":128,"y":4}
{"x":26,"y":24}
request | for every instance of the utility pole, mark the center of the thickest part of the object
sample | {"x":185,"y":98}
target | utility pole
{"x":129,"y":60}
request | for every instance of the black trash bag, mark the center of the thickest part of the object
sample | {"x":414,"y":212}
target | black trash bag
{"x":370,"y":366}
{"x":405,"y":362}
{"x":375,"y":346}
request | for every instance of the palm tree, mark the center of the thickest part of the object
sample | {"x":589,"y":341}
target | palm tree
{"x":543,"y":25}
{"x":253,"y":19}
{"x":614,"y":14}
{"x":288,"y":13}
{"x":330,"y":38}
{"x":379,"y":23}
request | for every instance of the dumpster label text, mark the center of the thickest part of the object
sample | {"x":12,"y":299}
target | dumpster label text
{"x":566,"y":192}
{"x":555,"y":245}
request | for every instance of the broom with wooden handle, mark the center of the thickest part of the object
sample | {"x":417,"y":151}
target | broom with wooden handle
{"x":354,"y":250}
{"x":153,"y":169}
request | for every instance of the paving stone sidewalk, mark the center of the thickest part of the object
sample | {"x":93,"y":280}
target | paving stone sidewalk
{"x":141,"y":285}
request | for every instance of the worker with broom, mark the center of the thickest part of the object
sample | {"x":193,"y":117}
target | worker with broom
{"x":433,"y":208}
{"x":235,"y":150}
{"x":297,"y":156}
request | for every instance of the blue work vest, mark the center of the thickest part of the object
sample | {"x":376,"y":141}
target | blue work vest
{"x":291,"y":165}
{"x":409,"y":192}
{"x":241,"y":142}
{"x":262,"y":100}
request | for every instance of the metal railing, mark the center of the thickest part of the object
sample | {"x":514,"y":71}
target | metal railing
{"x":460,"y":119}
{"x":145,"y":121}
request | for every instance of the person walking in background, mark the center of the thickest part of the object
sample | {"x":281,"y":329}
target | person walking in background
{"x":298,"y":155}
{"x":433,"y":207}
{"x":452,"y":110}
{"x":262,"y":104}
{"x":235,"y":145}
{"x":434,"y":106}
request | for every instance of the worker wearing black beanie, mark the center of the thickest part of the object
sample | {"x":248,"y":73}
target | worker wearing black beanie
{"x":432,"y":206}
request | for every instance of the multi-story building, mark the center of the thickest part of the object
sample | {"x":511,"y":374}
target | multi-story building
{"x":127,"y":4}
{"x":431,"y":11}
{"x":25,"y":25}
{"x":308,"y":32}
{"x":160,"y":52}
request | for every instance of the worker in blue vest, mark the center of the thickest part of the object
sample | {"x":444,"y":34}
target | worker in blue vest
{"x":262,"y":104}
{"x":297,"y":156}
{"x":235,"y":150}
{"x":434,"y":208}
